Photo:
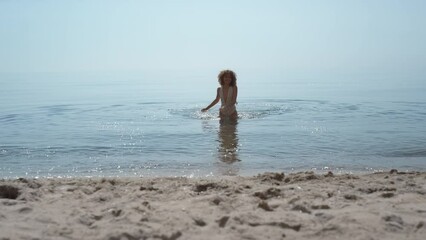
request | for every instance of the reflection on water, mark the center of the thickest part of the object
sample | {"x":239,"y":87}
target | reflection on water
{"x":228,"y":147}
{"x":228,"y":142}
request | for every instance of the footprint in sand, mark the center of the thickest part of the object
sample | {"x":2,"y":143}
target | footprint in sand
{"x":199,"y":222}
{"x":394,"y":223}
{"x":265,"y":206}
{"x":351,"y":197}
{"x":9,"y":192}
{"x":222,"y":221}
{"x":301,"y":208}
{"x":25,"y":210}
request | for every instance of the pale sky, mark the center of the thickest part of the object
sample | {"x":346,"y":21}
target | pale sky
{"x":373,"y":38}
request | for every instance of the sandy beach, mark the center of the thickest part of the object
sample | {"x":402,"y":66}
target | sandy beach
{"x":306,"y":205}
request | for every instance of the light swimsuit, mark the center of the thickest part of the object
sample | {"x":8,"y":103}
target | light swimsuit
{"x":227,"y":108}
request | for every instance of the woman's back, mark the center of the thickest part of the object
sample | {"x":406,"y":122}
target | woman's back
{"x":228,"y":99}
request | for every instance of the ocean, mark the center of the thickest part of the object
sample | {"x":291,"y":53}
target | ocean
{"x":88,"y":125}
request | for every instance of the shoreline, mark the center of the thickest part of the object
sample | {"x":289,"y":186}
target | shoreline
{"x":304,"y":205}
{"x":209,"y":175}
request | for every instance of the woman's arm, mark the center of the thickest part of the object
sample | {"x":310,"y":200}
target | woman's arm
{"x":213,"y":103}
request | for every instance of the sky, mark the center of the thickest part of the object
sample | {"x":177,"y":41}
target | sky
{"x":369,"y":39}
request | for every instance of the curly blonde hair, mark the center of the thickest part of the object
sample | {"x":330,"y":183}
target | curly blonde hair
{"x":225,"y":72}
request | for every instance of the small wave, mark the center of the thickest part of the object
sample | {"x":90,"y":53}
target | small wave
{"x":350,"y":107}
{"x":407,"y":153}
{"x":205,"y":115}
{"x":117,"y":105}
{"x":152,"y":103}
{"x":290,"y":101}
{"x":193,"y":113}
{"x":54,"y":110}
{"x":244,"y":112}
{"x":9,"y":118}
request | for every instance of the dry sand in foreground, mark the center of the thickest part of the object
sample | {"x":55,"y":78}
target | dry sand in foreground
{"x":269,"y":206}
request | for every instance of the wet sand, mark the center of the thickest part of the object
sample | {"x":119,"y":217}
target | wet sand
{"x":389,"y":205}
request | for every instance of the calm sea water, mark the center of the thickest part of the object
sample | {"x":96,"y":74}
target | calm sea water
{"x":69,"y":125}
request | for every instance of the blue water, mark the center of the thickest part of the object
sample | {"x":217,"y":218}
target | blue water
{"x":59,"y":125}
